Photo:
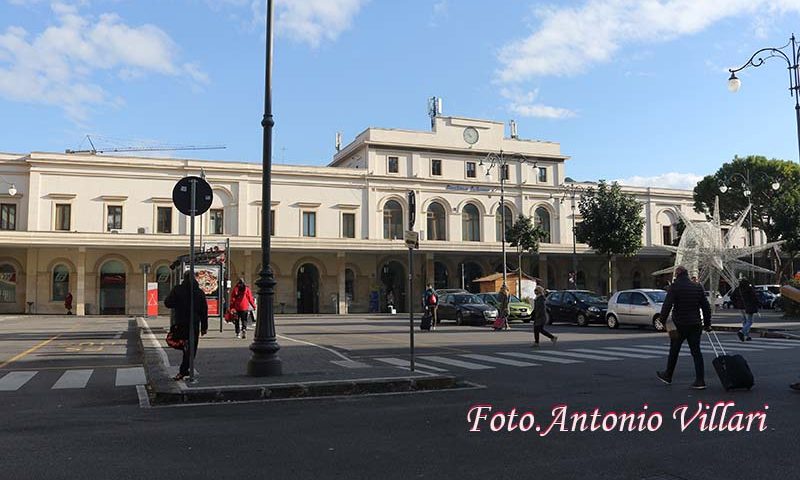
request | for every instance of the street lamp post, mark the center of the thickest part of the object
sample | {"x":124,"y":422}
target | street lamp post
{"x":791,"y":58}
{"x":571,"y":191}
{"x":265,"y":361}
{"x":748,"y":192}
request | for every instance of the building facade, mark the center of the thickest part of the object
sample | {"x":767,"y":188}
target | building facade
{"x":87,"y":224}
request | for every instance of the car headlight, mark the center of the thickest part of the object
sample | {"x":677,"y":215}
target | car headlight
{"x":594,"y":309}
{"x":490,"y":313}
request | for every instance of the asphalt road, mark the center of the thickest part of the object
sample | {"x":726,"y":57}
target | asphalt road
{"x":46,"y":433}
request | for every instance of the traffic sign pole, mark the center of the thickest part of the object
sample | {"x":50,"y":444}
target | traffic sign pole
{"x":192,"y":343}
{"x":412,"y":211}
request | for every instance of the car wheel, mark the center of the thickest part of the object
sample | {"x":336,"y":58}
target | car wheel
{"x":582,"y":320}
{"x":612,"y":322}
{"x":658,"y":324}
{"x":459,"y":319}
{"x":526,"y":320}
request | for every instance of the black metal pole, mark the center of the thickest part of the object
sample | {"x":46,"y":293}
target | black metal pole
{"x":574,"y":247}
{"x":265,"y":361}
{"x":192,"y":343}
{"x":409,"y":301}
{"x":503,"y":212}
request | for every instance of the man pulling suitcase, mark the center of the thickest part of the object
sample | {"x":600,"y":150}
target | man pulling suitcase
{"x":686,"y":300}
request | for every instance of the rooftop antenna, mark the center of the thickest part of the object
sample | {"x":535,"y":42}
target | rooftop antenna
{"x":434,"y":109}
{"x":164,"y":148}
{"x":338,"y":141}
{"x":513,"y":125}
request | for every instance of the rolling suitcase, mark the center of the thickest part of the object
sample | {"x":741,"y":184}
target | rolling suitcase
{"x":733,"y":371}
{"x":425,"y":324}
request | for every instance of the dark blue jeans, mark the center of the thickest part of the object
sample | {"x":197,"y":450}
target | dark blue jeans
{"x":692,"y":335}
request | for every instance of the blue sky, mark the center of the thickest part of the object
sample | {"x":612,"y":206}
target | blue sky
{"x":633,"y":90}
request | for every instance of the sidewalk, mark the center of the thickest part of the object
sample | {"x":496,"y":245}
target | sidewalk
{"x":768,"y":324}
{"x":308,"y":370}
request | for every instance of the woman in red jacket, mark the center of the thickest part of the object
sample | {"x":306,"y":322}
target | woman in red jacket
{"x":242,"y":302}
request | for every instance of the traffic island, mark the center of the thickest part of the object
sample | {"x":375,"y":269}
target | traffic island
{"x":309,"y":372}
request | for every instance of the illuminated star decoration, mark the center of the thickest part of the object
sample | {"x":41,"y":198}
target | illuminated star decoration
{"x":708,"y":254}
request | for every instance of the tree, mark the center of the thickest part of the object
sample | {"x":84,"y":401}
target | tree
{"x":774,"y":212}
{"x":612,"y":222}
{"x":525,"y":235}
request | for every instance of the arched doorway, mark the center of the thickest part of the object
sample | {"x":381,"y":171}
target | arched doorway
{"x":470,"y":272}
{"x":393,"y":279}
{"x":308,"y":289}
{"x":441,"y":277}
{"x":112,"y":288}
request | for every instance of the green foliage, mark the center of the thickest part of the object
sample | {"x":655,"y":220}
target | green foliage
{"x":612,"y":221}
{"x":525,"y":234}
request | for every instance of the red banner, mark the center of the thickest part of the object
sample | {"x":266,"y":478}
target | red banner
{"x":213,"y":306}
{"x":152,"y":299}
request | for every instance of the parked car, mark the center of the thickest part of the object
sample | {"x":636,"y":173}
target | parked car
{"x":714,"y":299}
{"x":444,"y":291}
{"x":726,"y":300}
{"x":641,"y":306}
{"x":773,"y":289}
{"x":766,"y":299}
{"x":465,"y":308}
{"x":517,"y":309}
{"x":579,"y":306}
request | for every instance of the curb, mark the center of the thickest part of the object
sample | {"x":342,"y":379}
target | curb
{"x":162,"y":390}
{"x":763,"y":332}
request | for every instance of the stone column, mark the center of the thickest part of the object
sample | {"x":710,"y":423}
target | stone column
{"x":429,"y":269}
{"x":543,"y":270}
{"x":341,"y":260}
{"x":31,"y":278}
{"x":80,"y":283}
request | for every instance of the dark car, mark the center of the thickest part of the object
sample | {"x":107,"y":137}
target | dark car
{"x":766,"y":299}
{"x":578,"y":306}
{"x":465,"y":308}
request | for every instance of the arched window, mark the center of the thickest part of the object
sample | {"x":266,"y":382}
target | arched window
{"x":498,"y":222}
{"x":8,"y":283}
{"x":542,"y":218}
{"x":471,"y":223}
{"x":392,"y":220}
{"x":162,"y":278}
{"x":60,"y":285}
{"x":437,"y":222}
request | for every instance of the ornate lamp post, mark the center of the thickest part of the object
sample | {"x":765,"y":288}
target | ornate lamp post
{"x":571,"y":191}
{"x":501,"y":162}
{"x":747,"y":191}
{"x":12,"y":188}
{"x":265,"y":361}
{"x":791,"y":58}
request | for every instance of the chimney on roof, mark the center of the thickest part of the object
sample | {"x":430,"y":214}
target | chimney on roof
{"x":513,"y":126}
{"x":338,"y":141}
{"x":434,"y":109}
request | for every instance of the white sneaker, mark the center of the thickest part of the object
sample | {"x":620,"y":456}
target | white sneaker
{"x":238,"y":335}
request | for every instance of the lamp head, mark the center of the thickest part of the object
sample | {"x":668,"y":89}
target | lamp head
{"x":746,"y":192}
{"x":723,"y":188}
{"x":775,"y":185}
{"x":12,"y":190}
{"x":734,"y":83}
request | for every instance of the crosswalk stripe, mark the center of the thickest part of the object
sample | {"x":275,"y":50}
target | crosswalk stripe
{"x":14,"y":380}
{"x":616,"y":353}
{"x":788,"y":343}
{"x":399,"y":362}
{"x":73,"y":379}
{"x":455,"y":363}
{"x":759,"y":345}
{"x":130,"y":376}
{"x":502,"y":361}
{"x":659,"y":348}
{"x":541,"y":358}
{"x":582,"y":355}
{"x":637,"y":350}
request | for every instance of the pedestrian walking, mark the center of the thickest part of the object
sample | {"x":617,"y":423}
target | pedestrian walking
{"x":744,"y":297}
{"x":180,"y":298}
{"x":390,"y":301}
{"x":430,"y":303}
{"x":540,"y":317}
{"x":68,"y":303}
{"x":242,"y":302}
{"x":686,"y":300}
{"x":502,"y":310}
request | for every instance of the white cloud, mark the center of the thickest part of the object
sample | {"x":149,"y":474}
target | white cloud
{"x":683,"y":181}
{"x":569,"y":40}
{"x":525,"y":105}
{"x":56,"y":67}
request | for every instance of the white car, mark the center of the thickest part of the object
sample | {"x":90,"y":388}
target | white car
{"x":641,"y":306}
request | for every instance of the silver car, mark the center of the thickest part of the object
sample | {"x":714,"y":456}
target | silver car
{"x":641,"y":306}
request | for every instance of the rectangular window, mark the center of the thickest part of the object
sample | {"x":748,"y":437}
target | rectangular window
{"x":436,"y":167}
{"x":114,"y":218}
{"x":309,"y":224}
{"x":666,"y":234}
{"x":8,"y":216}
{"x":542,"y":174}
{"x":394,"y":165}
{"x":63,"y":216}
{"x":217,"y":221}
{"x":164,"y":220}
{"x":349,"y":225}
{"x":471,"y":169}
{"x":505,"y":171}
{"x":272,"y":223}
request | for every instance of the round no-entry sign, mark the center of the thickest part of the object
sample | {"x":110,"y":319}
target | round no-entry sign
{"x":182,"y":195}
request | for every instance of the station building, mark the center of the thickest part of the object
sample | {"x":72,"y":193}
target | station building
{"x":87,"y":224}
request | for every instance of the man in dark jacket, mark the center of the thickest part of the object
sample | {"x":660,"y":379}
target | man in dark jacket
{"x":686,"y":299}
{"x":744,"y":297}
{"x":180,"y":299}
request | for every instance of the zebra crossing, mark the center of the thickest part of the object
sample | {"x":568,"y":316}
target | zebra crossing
{"x":567,"y":355}
{"x":71,"y":379}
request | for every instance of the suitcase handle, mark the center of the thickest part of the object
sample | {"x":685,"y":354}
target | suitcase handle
{"x":722,"y":349}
